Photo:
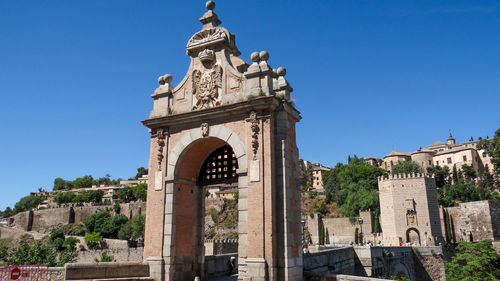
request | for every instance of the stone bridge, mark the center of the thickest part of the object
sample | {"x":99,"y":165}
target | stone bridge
{"x":418,"y":263}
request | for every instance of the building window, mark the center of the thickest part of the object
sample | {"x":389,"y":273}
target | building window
{"x":437,"y":163}
{"x":448,"y":160}
{"x":484,"y":154}
{"x":430,"y":162}
{"x":465,"y":158}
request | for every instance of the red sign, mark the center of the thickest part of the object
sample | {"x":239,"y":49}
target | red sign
{"x":15,"y":273}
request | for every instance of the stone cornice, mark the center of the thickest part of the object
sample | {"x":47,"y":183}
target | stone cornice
{"x":269,"y":103}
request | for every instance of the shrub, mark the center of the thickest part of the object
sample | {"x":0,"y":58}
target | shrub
{"x":140,"y":191}
{"x":133,"y":230}
{"x":116,"y":208}
{"x":70,"y":243}
{"x":105,"y":257}
{"x":36,"y":254}
{"x":356,"y":235}
{"x":93,"y":240}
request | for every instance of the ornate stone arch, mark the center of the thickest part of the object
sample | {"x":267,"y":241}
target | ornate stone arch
{"x":193,"y":135}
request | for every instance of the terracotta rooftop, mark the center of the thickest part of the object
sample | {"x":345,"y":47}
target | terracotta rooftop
{"x":397,"y":153}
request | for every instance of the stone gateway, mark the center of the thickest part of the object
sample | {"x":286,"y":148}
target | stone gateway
{"x":227,"y":121}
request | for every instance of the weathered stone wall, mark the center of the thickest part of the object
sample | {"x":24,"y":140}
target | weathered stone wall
{"x":340,"y":231}
{"x":133,"y":209}
{"x":219,"y":247}
{"x":331,"y":261}
{"x":475,"y":221}
{"x":46,"y":220}
{"x":23,"y":220}
{"x":105,"y":270}
{"x":419,"y":263}
{"x":82,"y":213}
{"x":118,"y":255}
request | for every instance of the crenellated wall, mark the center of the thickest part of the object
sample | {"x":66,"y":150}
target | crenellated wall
{"x":409,"y":210}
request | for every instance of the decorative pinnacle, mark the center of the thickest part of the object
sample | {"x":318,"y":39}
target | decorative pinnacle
{"x":210,"y":5}
{"x":210,"y":19}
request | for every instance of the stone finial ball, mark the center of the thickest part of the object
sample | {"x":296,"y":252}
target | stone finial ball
{"x":167,"y":78}
{"x":264,"y":55}
{"x":281,"y":71}
{"x":210,"y":5}
{"x":255,"y":57}
{"x":161,"y":81}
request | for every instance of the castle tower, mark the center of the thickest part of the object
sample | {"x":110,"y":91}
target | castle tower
{"x":409,"y":210}
{"x":226,"y":121}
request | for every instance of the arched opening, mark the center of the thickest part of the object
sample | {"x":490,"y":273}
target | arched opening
{"x":205,"y":182}
{"x":413,"y":236}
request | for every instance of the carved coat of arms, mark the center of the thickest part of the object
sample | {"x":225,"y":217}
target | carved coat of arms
{"x":206,"y":86}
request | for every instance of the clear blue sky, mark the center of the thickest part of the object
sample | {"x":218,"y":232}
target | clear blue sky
{"x":369,"y":77}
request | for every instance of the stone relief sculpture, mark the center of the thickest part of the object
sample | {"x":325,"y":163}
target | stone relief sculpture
{"x":255,"y":133}
{"x":206,"y":86}
{"x":160,"y":140}
{"x":206,"y":35}
{"x":204,"y":130}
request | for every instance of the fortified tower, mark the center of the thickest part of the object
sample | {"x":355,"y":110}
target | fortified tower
{"x":409,"y":210}
{"x":227,"y":121}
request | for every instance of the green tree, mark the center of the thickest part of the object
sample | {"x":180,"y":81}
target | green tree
{"x":322,"y":210}
{"x":95,"y":222}
{"x":116,"y":208}
{"x":331,"y":185}
{"x":357,"y":186}
{"x":93,"y":240}
{"x":406,"y":167}
{"x":64,"y":197}
{"x":83,"y":182}
{"x":306,"y":178}
{"x":61,"y":184}
{"x":36,"y":254}
{"x":140,"y":192}
{"x":94,"y":196}
{"x":141,"y":171}
{"x":27,"y":203}
{"x":126,"y":195}
{"x":3,"y":249}
{"x":8,"y":212}
{"x":468,"y":172}
{"x":441,"y":174}
{"x":486,"y":180}
{"x":473,"y":261}
{"x":356,"y":235}
{"x":133,"y":230}
{"x":492,"y":148}
{"x":322,"y":235}
{"x":105,"y":224}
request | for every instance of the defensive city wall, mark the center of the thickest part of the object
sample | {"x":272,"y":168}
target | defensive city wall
{"x":46,"y":220}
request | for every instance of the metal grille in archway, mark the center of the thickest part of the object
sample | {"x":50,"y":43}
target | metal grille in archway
{"x":219,"y":167}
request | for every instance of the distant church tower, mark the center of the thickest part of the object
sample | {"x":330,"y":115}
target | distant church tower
{"x":409,"y":210}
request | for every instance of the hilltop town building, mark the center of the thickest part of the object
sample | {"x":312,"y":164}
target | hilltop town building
{"x":448,"y":154}
{"x":409,"y":210}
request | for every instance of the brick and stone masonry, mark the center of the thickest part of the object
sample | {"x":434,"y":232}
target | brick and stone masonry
{"x":224,"y":101}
